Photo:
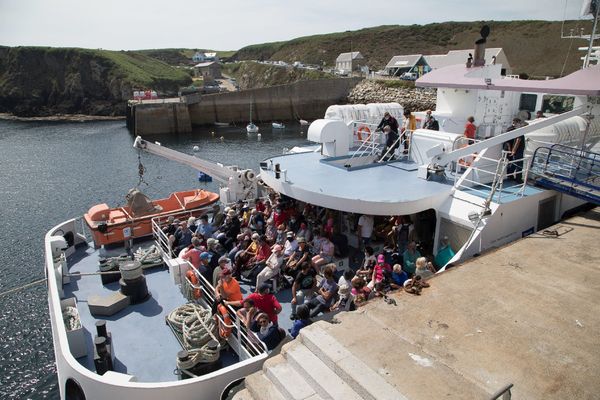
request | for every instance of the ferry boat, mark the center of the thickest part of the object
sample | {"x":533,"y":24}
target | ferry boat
{"x":452,"y":187}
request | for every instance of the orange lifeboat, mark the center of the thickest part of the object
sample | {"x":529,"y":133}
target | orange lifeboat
{"x":114,"y":225}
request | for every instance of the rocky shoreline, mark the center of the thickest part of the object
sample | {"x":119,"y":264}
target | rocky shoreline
{"x":61,"y":118}
{"x":374,"y":91}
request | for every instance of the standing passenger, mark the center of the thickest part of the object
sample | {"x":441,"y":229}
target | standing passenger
{"x":470,"y":129}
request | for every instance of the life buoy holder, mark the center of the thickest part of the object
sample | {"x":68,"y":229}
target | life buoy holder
{"x":191,"y":276}
{"x":361,"y":129}
{"x":224,"y":322}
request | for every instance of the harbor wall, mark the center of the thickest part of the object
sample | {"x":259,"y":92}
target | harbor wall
{"x":299,"y":100}
{"x":160,"y":118}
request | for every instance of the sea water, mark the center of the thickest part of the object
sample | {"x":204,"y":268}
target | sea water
{"x":51,"y":172}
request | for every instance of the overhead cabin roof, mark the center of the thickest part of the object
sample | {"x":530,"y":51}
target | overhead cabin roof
{"x":458,"y":57}
{"x":583,"y":82}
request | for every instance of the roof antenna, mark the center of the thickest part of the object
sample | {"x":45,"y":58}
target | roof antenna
{"x":479,"y":59}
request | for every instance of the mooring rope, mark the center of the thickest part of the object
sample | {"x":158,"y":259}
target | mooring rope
{"x":25,"y":286}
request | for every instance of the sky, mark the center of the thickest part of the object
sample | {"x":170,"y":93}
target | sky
{"x":233,"y":24}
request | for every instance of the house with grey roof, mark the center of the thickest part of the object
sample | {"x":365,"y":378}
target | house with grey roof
{"x":349,"y":61}
{"x":399,"y":65}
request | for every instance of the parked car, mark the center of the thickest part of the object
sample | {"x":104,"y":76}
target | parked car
{"x":409,"y":76}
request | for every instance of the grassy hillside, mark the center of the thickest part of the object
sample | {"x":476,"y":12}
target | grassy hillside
{"x":40,"y":81}
{"x":255,"y":75}
{"x":532,"y":47}
{"x":180,"y":56}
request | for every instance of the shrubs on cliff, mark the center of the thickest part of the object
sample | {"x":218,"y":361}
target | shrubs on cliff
{"x":42,"y":81}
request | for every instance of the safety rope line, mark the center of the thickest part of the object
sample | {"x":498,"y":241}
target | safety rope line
{"x":23,"y":287}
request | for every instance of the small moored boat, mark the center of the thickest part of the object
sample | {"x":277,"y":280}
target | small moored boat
{"x":251,"y":128}
{"x":113,"y":225}
{"x":278,"y":125}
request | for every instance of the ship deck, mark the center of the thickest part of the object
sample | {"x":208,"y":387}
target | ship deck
{"x":378,"y":189}
{"x":143,"y":344}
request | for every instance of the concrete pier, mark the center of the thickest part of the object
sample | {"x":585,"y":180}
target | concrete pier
{"x":525,"y":314}
{"x":300,"y":100}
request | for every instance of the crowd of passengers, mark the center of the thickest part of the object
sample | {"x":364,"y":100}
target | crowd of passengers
{"x":294,"y":244}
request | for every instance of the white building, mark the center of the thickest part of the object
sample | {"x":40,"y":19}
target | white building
{"x":349,"y":61}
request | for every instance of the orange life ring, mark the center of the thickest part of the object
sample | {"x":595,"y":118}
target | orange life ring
{"x":361,"y":129}
{"x":224,"y":330}
{"x":194,"y":281}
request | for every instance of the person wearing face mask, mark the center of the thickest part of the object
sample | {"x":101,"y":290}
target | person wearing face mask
{"x":293,"y":224}
{"x":280,"y":238}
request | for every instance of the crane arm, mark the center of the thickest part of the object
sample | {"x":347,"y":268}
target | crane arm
{"x":445,"y":158}
{"x":218,"y":172}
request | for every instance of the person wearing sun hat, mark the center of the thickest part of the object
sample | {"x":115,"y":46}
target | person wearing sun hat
{"x":272,"y":266}
{"x":380,"y":271}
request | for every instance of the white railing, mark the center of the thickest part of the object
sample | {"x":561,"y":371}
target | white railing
{"x":371,"y":143}
{"x":497,"y":175}
{"x":243,"y":342}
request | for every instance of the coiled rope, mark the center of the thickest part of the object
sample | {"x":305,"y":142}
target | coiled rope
{"x":198,"y":328}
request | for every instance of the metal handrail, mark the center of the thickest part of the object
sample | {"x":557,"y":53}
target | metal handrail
{"x":504,"y":392}
{"x":499,"y":175}
{"x":208,"y":294}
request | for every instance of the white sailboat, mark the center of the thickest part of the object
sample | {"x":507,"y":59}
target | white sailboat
{"x":251,"y":127}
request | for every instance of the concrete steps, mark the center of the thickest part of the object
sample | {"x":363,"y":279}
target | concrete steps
{"x":317,"y":367}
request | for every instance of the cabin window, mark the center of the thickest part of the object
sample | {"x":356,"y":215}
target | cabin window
{"x":528,"y":102}
{"x":552,"y":104}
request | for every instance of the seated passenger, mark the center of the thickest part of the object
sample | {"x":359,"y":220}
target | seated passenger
{"x":268,"y":332}
{"x":272,"y":266}
{"x":346,"y":278}
{"x":271,"y":231}
{"x":398,"y":277}
{"x":304,"y":232}
{"x":204,"y":228}
{"x":193,"y":255}
{"x":445,"y":253}
{"x":181,"y":239}
{"x":302,"y":320}
{"x":366,"y":269}
{"x":171,"y":226}
{"x":228,"y":290}
{"x":409,"y":258}
{"x":223,"y":264}
{"x":360,"y":290}
{"x":303,"y":287}
{"x":381,"y":272}
{"x":424,"y":269}
{"x":290,"y":245}
{"x":326,"y":293}
{"x":266,"y":302}
{"x":280,"y":238}
{"x":243,"y":258}
{"x":297,"y":258}
{"x":247,"y":313}
{"x":345,"y":301}
{"x":325,"y":255}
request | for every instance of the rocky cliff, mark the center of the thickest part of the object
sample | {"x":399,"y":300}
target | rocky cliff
{"x":39,"y":81}
{"x":382,"y":91}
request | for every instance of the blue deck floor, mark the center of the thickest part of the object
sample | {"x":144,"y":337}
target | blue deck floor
{"x":510,"y":191}
{"x":143,"y":344}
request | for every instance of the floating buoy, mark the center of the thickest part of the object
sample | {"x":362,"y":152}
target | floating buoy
{"x":212,"y":133}
{"x":196,"y":148}
{"x":259,"y":136}
{"x":222,"y":138}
